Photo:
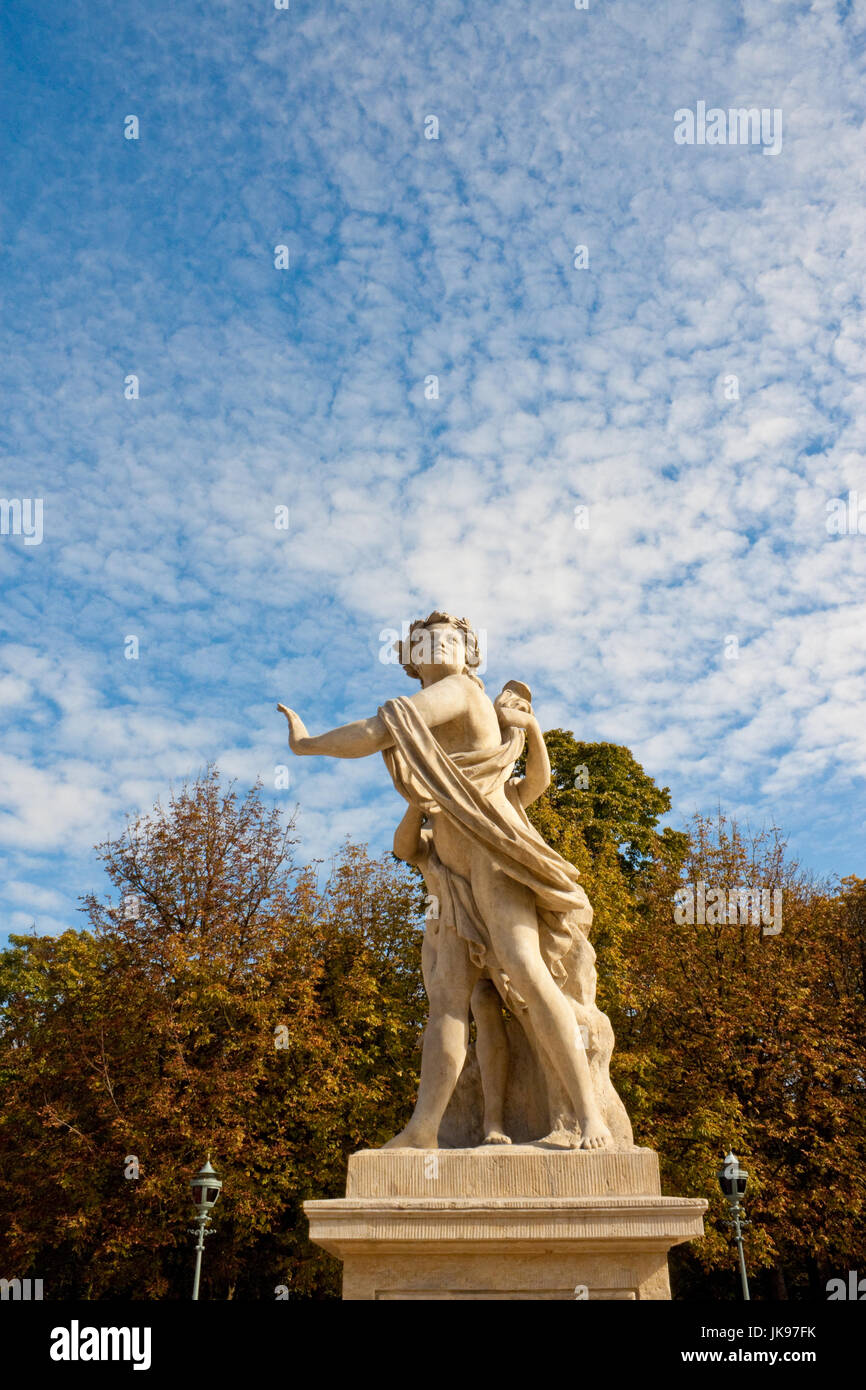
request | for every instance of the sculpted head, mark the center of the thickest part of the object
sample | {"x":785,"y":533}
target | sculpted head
{"x":440,"y":644}
{"x":514,"y":695}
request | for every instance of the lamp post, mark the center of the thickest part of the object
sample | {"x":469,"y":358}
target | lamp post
{"x":732,"y":1181}
{"x":205,"y":1188}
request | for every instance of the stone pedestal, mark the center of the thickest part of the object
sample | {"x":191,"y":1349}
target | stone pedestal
{"x":514,"y":1222}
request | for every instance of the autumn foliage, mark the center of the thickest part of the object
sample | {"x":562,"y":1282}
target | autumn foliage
{"x":239,"y":1007}
{"x":726,"y":1036}
{"x":227,"y":1001}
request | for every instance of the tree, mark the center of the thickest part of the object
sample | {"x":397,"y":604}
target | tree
{"x":224,"y":1002}
{"x":601,"y":790}
{"x":725,"y":1036}
{"x":756,"y":1055}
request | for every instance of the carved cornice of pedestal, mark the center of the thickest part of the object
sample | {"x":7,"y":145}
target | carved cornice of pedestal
{"x":450,"y":1223}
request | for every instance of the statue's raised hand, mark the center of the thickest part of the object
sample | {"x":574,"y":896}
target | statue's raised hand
{"x":298,"y":736}
{"x":512,"y":711}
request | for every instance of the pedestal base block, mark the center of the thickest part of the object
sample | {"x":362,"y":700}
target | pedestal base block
{"x":510,"y":1222}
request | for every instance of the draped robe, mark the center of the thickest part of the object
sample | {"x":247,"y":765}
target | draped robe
{"x":458,"y":786}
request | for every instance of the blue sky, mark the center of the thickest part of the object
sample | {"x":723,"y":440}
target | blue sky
{"x":605,"y":387}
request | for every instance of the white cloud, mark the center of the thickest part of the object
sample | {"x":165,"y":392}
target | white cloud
{"x":557,"y":386}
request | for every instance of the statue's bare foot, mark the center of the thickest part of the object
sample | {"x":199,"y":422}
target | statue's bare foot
{"x":412,"y":1137}
{"x":594,"y":1133}
{"x":495,"y":1136}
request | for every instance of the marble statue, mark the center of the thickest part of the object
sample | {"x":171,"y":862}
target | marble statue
{"x":508,"y":921}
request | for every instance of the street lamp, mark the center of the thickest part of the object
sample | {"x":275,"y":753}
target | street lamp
{"x":732,"y":1181}
{"x":205,"y":1188}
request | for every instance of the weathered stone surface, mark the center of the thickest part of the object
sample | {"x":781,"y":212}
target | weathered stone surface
{"x":519,"y":1170}
{"x":508,"y":920}
{"x":517,"y":1223}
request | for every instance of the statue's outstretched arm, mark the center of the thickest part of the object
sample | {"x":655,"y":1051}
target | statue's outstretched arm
{"x":437,"y":704}
{"x":355,"y":740}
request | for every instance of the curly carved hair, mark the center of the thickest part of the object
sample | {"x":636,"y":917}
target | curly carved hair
{"x":470,"y":642}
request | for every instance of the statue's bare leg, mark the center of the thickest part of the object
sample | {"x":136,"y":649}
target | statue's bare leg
{"x":450,"y":982}
{"x":491,"y":1047}
{"x":508,"y":909}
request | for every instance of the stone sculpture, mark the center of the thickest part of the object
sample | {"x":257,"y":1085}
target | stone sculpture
{"x":507,"y":921}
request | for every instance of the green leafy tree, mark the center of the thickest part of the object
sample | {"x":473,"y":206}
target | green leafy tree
{"x":601,"y":790}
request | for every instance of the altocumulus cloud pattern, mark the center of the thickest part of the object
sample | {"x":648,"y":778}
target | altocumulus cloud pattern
{"x":317,"y":318}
